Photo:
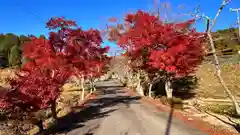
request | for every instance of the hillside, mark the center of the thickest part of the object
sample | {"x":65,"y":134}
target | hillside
{"x":227,"y":39}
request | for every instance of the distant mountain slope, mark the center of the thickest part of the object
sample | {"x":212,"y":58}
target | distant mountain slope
{"x":227,"y":39}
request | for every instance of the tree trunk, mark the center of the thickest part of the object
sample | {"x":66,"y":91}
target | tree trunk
{"x":139,"y":86}
{"x":218,"y":73}
{"x":91,"y":90}
{"x":217,"y":65}
{"x":40,"y":126}
{"x":150,"y":90}
{"x":82,"y":87}
{"x":94,"y":88}
{"x":93,"y":83}
{"x":77,"y":81}
{"x":53,"y":110}
{"x":129,"y":79}
{"x":91,"y":86}
{"x":168,"y":89}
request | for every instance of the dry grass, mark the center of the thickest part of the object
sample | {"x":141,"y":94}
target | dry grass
{"x":70,"y":92}
{"x":210,"y":87}
{"x":5,"y":75}
{"x":220,"y":109}
{"x":70,"y":95}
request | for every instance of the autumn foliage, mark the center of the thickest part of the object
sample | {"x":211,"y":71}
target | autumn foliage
{"x":174,"y":48}
{"x":34,"y":90}
{"x":50,"y":62}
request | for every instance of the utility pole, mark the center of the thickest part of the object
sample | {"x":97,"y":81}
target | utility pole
{"x":238,"y":19}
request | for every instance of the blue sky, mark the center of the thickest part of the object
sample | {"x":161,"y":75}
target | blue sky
{"x":29,"y":16}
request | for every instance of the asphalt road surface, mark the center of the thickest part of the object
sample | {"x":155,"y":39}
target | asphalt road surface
{"x":112,"y":112}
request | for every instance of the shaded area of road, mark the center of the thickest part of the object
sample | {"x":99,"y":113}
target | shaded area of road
{"x":114,"y":112}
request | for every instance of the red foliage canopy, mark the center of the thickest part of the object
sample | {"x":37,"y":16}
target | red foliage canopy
{"x":42,"y":54}
{"x":81,"y":48}
{"x":34,"y":89}
{"x":39,"y":83}
{"x":171,"y":47}
{"x":51,"y":62}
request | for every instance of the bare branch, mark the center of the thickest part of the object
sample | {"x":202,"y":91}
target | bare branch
{"x":224,"y":3}
{"x":217,"y":65}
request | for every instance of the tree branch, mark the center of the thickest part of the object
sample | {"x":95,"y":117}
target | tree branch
{"x":217,"y":65}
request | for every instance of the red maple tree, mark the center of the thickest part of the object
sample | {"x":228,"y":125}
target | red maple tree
{"x":68,"y":51}
{"x":38,"y":84}
{"x":82,"y":48}
{"x":175,"y":49}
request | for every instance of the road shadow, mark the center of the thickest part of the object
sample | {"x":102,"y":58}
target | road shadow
{"x":119,"y":89}
{"x":107,"y":87}
{"x":93,"y":109}
{"x":169,"y":122}
{"x":173,"y":106}
{"x":234,"y":124}
{"x":230,"y":122}
{"x":183,"y":88}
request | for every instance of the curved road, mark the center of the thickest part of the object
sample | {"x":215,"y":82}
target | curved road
{"x":113,"y":112}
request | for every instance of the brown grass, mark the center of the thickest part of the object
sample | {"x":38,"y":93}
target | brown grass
{"x":5,"y":75}
{"x":210,"y":87}
{"x":70,"y":95}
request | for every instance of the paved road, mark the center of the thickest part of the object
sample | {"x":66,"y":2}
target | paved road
{"x":115,"y":113}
